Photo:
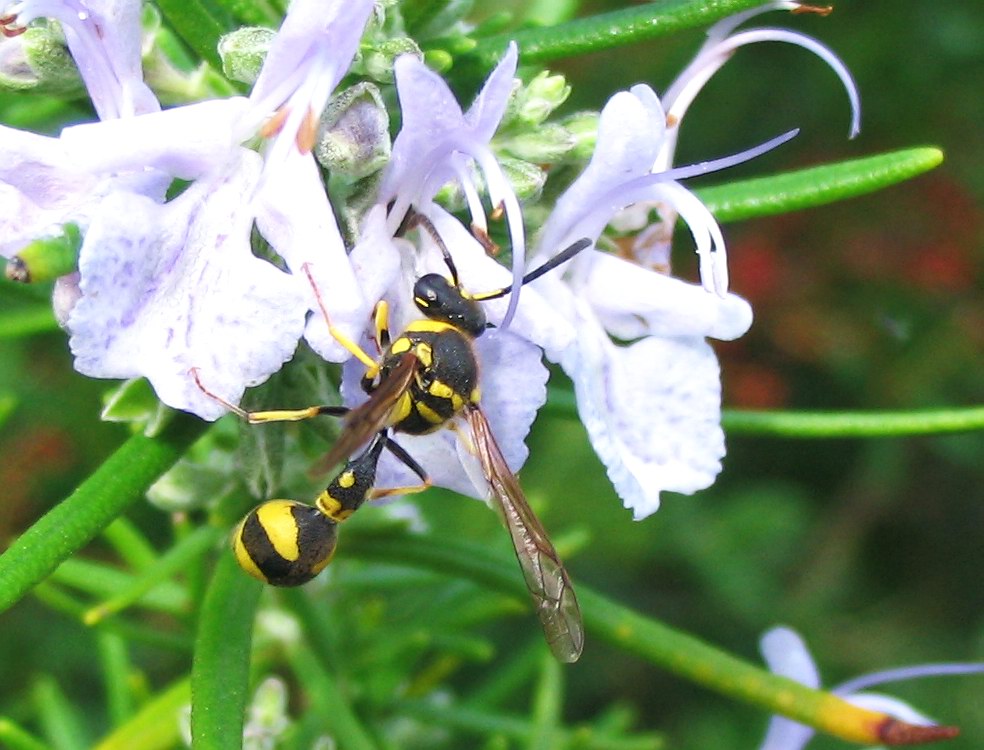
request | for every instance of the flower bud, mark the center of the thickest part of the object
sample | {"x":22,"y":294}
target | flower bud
{"x":377,"y":62}
{"x":46,"y":258}
{"x":583,"y":126}
{"x":353,"y":138}
{"x":533,"y":103}
{"x":39,"y":61}
{"x":243,"y":52}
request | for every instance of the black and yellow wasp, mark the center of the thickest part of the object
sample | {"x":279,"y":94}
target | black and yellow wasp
{"x":422,"y":380}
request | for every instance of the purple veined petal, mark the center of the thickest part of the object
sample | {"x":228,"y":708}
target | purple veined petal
{"x":185,"y":142}
{"x":294,"y":216}
{"x":175,"y":287}
{"x":652,"y":411}
{"x":632,"y":302}
{"x":485,"y":113}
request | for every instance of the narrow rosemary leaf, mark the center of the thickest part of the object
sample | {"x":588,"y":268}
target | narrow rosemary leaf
{"x":154,"y":726}
{"x":252,"y":12}
{"x":220,"y":669}
{"x":853,"y":424}
{"x":815,"y":186}
{"x":120,"y":481}
{"x":607,"y":30}
{"x":199,"y":23}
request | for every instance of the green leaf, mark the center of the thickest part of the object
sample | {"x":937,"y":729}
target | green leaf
{"x":604,"y":31}
{"x":155,"y":726}
{"x":816,"y":186}
{"x":220,"y":669}
{"x":199,"y":23}
{"x":853,"y":424}
{"x":676,"y":651}
{"x":121,"y":480}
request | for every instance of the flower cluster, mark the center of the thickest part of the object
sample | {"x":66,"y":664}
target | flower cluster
{"x":171,"y":282}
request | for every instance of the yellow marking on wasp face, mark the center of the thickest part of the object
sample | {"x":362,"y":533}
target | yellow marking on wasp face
{"x":476,"y":395}
{"x":428,"y":414}
{"x":424,"y":353}
{"x":457,"y":402}
{"x":346,"y":479}
{"x":441,"y":390}
{"x":401,"y":345}
{"x":278,"y":522}
{"x":242,"y":554}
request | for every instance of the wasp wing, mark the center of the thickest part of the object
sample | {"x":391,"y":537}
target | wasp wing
{"x":546,"y":579}
{"x":373,"y":415}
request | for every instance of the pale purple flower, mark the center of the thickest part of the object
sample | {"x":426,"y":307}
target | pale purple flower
{"x":435,"y":145}
{"x":171,"y":287}
{"x":438,"y":144}
{"x":786,"y":654}
{"x":42,"y":186}
{"x":651,"y":406}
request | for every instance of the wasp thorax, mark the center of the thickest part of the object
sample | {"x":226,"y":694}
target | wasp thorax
{"x":285,"y":543}
{"x":439,"y":299}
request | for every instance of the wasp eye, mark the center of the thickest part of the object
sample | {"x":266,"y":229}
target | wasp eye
{"x":284,"y":543}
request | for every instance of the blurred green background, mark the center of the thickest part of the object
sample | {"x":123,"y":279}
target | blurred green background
{"x":872,"y":549}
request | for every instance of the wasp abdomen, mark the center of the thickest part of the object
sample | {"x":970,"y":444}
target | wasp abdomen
{"x":285,"y":543}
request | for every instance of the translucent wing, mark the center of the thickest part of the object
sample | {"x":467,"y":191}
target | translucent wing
{"x":367,"y":419}
{"x":553,"y":595}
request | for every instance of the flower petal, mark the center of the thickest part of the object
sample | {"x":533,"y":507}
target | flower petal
{"x":633,"y":302}
{"x":294,"y":216}
{"x":486,"y":111}
{"x":652,"y":411}
{"x":185,"y":142}
{"x":628,"y":141}
{"x":786,"y":654}
{"x":170,"y":288}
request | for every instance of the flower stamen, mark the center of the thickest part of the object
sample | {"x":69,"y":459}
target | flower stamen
{"x":820,"y":10}
{"x":275,"y":124}
{"x":307,"y":132}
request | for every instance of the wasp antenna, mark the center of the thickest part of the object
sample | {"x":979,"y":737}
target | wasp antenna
{"x":559,"y":259}
{"x":417,"y":219}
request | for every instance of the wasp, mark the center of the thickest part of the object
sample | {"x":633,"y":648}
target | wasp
{"x":421,"y":381}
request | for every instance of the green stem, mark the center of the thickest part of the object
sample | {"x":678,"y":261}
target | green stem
{"x":606,"y":30}
{"x":176,"y":559}
{"x":120,"y":481}
{"x":816,"y":186}
{"x":835,"y":424}
{"x":199,"y":23}
{"x":155,"y":726}
{"x":670,"y":649}
{"x":853,"y":424}
{"x":220,"y":669}
{"x":15,"y":738}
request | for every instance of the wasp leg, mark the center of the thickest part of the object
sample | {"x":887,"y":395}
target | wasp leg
{"x":273,"y":415}
{"x":407,"y":460}
{"x":351,"y":346}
